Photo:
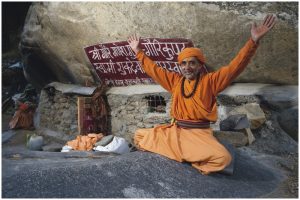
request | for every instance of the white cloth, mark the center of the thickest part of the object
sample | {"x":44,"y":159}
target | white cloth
{"x":118,"y":145}
{"x":66,"y":148}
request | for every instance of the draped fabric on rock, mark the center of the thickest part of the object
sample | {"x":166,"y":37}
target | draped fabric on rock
{"x":93,"y":113}
{"x":197,"y":146}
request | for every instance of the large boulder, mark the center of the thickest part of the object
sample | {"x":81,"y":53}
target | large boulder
{"x":55,"y":34}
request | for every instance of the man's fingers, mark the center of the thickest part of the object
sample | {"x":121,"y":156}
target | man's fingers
{"x":265,"y":19}
{"x":271,"y":22}
{"x":134,"y":36}
{"x":269,"y":17}
{"x":134,"y":42}
{"x":272,"y":25}
{"x":253,"y":25}
{"x":129,"y":38}
{"x":137,"y":38}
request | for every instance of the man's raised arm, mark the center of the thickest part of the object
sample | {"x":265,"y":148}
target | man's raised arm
{"x":163,"y":77}
{"x":225,"y":75}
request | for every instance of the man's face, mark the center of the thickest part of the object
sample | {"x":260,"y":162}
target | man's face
{"x":190,"y":68}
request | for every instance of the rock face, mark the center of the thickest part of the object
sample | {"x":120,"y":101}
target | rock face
{"x":55,"y":34}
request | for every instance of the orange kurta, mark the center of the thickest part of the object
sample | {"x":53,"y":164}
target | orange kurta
{"x":197,"y":146}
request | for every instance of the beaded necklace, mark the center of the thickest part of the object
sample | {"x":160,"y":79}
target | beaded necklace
{"x":194,"y":89}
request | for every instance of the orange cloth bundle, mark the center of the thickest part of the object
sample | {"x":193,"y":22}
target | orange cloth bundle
{"x":85,"y":142}
{"x":191,"y":52}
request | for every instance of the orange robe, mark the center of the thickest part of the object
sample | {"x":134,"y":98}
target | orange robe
{"x":197,"y":146}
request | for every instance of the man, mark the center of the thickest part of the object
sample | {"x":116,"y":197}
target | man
{"x":189,"y":138}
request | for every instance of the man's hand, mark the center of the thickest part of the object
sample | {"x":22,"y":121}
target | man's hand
{"x":257,"y":32}
{"x":134,"y":43}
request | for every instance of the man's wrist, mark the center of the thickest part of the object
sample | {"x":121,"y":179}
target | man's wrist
{"x":137,"y":50}
{"x":255,"y":41}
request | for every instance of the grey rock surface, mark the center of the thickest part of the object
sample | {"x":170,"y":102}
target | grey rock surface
{"x":271,"y":139}
{"x":237,"y":139}
{"x":250,"y":135}
{"x":288,"y":120}
{"x":7,"y":135}
{"x":52,"y":147}
{"x":132,"y":175}
{"x":235,"y":122}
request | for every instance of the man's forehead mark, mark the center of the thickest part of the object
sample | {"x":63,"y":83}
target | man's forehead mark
{"x":190,"y":59}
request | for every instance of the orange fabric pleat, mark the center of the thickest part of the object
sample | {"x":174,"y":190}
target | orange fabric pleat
{"x":197,"y":146}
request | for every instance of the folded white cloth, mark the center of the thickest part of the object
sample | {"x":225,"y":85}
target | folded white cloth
{"x":118,"y":145}
{"x":66,"y":148}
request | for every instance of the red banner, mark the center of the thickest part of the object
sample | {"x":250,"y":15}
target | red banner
{"x":116,"y":64}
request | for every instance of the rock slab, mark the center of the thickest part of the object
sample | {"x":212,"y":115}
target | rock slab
{"x":237,"y":139}
{"x":254,"y":113}
{"x":132,"y":175}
